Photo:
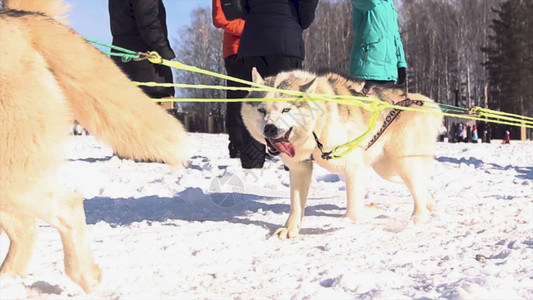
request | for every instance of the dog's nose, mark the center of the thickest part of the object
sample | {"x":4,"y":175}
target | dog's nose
{"x":271,"y":131}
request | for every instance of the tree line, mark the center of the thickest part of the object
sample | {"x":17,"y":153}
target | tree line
{"x":459,"y":52}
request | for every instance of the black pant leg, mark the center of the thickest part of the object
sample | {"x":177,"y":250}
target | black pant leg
{"x":281,"y":63}
{"x":145,"y":71}
{"x":235,"y":68}
{"x":252,"y":152}
{"x":271,"y":65}
{"x":234,"y":125}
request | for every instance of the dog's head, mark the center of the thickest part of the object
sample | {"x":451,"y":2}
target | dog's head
{"x":281,"y":124}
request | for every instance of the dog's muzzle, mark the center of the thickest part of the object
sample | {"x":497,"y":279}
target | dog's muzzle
{"x":277,"y":145}
{"x":270,"y":131}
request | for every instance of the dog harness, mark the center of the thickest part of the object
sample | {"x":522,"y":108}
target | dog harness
{"x":393,"y":114}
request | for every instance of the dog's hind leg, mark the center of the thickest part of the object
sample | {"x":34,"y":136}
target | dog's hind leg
{"x":22,"y":233}
{"x":413,"y":172}
{"x":65,"y":213}
{"x":300,"y":177}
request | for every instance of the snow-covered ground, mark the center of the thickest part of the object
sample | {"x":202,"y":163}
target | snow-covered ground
{"x":206,"y":232}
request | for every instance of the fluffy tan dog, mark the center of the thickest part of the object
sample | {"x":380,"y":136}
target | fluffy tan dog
{"x":301,"y":131}
{"x":50,"y":76}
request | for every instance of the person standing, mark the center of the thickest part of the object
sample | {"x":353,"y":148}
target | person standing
{"x":475,"y":136}
{"x":272,"y":42}
{"x":507,"y":137}
{"x":234,"y":67}
{"x":377,"y":54}
{"x":140,"y":26}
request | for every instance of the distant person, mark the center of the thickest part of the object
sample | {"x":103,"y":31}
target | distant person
{"x":507,"y":137}
{"x":475,"y":136}
{"x":452,"y":137}
{"x":464,"y":133}
{"x":461,"y":132}
{"x":487,"y":133}
{"x":140,"y":26}
{"x":234,"y":67}
{"x":377,"y":54}
{"x":468,"y":134}
{"x":272,"y":42}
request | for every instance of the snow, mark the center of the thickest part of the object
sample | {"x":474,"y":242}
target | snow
{"x":206,"y":232}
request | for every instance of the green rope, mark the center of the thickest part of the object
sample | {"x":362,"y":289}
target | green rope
{"x":127,"y":56}
{"x":110,"y":46}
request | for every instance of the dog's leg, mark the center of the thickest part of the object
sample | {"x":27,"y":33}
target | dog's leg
{"x":22,"y":232}
{"x":414,"y":177}
{"x":300,"y":177}
{"x":356,"y":209}
{"x":67,"y":215}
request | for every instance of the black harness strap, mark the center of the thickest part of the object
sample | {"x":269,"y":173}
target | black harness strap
{"x":393,"y":114}
{"x":325,"y":155}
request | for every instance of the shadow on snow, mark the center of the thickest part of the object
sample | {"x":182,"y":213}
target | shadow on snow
{"x":193,"y":205}
{"x":523,"y":172}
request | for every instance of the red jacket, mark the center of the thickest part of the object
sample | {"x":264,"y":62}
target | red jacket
{"x":232,"y":29}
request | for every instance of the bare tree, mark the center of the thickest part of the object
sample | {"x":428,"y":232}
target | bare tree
{"x":200,"y":45}
{"x":509,"y":62}
{"x":328,"y":40}
{"x":442,"y":41}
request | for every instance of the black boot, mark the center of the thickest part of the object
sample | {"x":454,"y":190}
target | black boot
{"x":235,"y":141}
{"x":252,"y":152}
{"x":234,"y":151}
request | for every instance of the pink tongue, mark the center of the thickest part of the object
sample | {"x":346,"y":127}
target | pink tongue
{"x":284,"y":146}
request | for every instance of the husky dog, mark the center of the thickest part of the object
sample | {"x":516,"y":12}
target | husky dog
{"x":303,"y":131}
{"x":50,"y":76}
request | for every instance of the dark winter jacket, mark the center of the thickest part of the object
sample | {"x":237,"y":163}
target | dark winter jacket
{"x":140,"y":25}
{"x":274,"y":27}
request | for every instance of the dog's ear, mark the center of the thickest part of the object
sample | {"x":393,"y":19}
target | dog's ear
{"x":309,"y":87}
{"x":256,"y":77}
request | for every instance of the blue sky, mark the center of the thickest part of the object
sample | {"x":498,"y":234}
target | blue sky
{"x":91,"y":19}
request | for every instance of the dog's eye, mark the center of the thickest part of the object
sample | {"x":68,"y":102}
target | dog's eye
{"x":262,"y":110}
{"x":286,"y":109}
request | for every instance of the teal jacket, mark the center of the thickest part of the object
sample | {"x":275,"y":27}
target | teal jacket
{"x":377,"y":50}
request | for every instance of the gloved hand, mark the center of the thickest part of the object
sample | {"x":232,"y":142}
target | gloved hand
{"x":401,"y":76}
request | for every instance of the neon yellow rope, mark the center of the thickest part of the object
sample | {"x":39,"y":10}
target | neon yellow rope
{"x":370,"y":104}
{"x":483,"y":114}
{"x":374,"y":105}
{"x":351,"y":145}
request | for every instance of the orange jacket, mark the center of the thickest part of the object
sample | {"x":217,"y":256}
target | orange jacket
{"x":232,"y":29}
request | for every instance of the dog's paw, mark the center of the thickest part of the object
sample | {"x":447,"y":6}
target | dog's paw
{"x":431,"y":205}
{"x":370,"y":211}
{"x":91,"y":279}
{"x":286,"y":233}
{"x":420,"y":217}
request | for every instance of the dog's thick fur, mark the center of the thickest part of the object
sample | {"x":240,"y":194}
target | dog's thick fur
{"x":404,"y":151}
{"x":50,"y":76}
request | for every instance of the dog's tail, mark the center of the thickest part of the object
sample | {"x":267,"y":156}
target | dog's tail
{"x":52,"y":8}
{"x":103,"y":99}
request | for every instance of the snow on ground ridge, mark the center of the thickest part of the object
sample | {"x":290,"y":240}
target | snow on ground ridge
{"x":206,"y":232}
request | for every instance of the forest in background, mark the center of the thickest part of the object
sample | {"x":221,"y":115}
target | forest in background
{"x":459,"y":52}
